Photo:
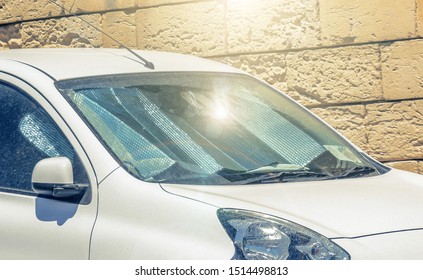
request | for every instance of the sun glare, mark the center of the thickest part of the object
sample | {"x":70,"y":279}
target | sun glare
{"x":220,"y":112}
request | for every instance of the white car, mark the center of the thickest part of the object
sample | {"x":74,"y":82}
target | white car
{"x":105,"y":155}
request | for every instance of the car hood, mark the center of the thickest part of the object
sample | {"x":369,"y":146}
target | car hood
{"x":336,"y":208}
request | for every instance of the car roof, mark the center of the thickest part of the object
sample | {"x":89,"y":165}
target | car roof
{"x":69,"y":63}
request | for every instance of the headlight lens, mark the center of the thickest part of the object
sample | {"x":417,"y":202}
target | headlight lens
{"x":258,"y":236}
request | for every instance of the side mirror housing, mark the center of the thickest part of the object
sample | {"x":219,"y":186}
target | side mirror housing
{"x":54,"y":177}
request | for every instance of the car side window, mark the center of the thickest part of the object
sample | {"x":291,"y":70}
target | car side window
{"x":28,"y":135}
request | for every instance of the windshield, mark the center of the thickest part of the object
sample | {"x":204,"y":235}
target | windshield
{"x":209,"y":128}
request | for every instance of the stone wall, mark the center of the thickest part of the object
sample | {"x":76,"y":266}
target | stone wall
{"x":357,"y":64}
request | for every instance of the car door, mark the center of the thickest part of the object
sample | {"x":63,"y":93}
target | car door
{"x":33,"y":226}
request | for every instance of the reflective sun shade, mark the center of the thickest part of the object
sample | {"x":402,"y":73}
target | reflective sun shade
{"x":205,"y":128}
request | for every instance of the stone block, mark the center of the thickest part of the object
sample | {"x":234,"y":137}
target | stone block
{"x":10,"y":36}
{"x":409,"y":165}
{"x":333,"y":76}
{"x":196,"y":28}
{"x":123,"y":4}
{"x":348,"y":120}
{"x":63,"y":32}
{"x":120,"y":26}
{"x":258,"y":25}
{"x":402,"y":70}
{"x":268,"y":67}
{"x":151,"y":3}
{"x":419,"y":17}
{"x":17,"y":10}
{"x":394,"y":130}
{"x":346,"y":21}
{"x":387,"y":131}
{"x":83,"y":6}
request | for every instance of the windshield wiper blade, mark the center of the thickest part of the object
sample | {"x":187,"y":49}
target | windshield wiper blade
{"x":247,"y":177}
{"x":288,"y":176}
{"x":244,"y":178}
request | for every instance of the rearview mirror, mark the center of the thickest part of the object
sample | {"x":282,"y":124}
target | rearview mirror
{"x":54,"y":177}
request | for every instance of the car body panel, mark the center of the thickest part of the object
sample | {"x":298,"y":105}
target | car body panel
{"x":335,"y":208}
{"x":139,"y":220}
{"x":402,"y":245}
{"x":39,"y":228}
{"x":107,"y":62}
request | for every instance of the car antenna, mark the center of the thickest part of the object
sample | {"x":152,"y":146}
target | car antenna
{"x":146,"y":63}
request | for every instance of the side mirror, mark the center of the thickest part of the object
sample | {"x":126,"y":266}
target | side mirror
{"x":54,"y":177}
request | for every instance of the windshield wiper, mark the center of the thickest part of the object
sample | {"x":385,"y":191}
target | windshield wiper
{"x":248,"y":177}
{"x":178,"y":173}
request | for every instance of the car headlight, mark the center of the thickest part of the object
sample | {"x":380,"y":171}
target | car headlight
{"x":258,"y":236}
